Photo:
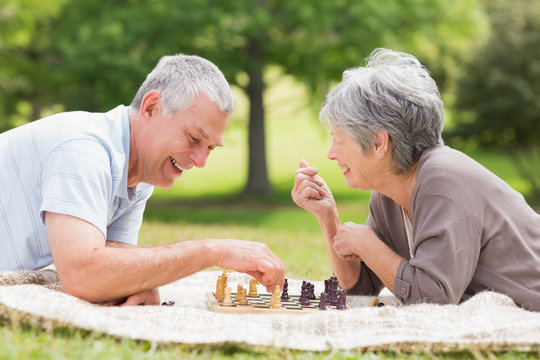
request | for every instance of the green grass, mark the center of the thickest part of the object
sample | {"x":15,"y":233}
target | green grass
{"x":205,"y":203}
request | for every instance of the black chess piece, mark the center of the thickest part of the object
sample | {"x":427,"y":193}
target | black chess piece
{"x":326,"y":286}
{"x":322,"y":303}
{"x":341,"y":300}
{"x":311,"y":292}
{"x":285,"y":292}
{"x":304,"y":297}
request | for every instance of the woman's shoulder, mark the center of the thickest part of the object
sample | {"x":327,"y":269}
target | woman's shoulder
{"x":451,"y":173}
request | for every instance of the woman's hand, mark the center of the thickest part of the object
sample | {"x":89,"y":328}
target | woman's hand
{"x":350,"y":238}
{"x":310,"y":191}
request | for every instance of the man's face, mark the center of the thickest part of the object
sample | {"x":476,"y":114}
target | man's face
{"x":176,"y":143}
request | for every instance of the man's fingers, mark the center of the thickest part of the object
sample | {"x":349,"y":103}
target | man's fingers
{"x":303,"y":163}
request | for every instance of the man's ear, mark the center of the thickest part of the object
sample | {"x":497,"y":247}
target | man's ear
{"x":150,"y":104}
{"x":382,"y":144}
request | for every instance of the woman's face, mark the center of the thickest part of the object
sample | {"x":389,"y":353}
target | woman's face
{"x":358,"y":167}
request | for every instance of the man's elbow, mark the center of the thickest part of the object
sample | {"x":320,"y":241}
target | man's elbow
{"x":80,"y":288}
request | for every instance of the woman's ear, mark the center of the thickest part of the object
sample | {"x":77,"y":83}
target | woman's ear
{"x":150,"y":104}
{"x":381,"y":145}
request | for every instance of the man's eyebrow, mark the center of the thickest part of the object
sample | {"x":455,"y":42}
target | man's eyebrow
{"x":205,"y":136}
{"x":203,"y":133}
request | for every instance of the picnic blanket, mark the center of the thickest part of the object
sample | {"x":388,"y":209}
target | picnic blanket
{"x":486,"y":321}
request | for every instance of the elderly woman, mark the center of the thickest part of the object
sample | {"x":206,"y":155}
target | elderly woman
{"x":441,"y":227}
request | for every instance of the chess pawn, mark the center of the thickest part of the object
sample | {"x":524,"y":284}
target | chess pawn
{"x":242,"y":299}
{"x":275,"y":302}
{"x":227,"y":301}
{"x":253,"y":288}
{"x":238,"y":292}
{"x":324,"y":299}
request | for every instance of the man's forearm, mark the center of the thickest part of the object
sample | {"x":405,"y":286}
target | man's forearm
{"x":118,"y":270}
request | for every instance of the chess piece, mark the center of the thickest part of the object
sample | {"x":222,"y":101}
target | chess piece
{"x":304,"y":297}
{"x":253,"y":288}
{"x":275,"y":302}
{"x":224,"y":276}
{"x":341,"y":300}
{"x":311,"y":292}
{"x":220,"y":294}
{"x":322,"y":302}
{"x":333,"y":291}
{"x":227,"y":301}
{"x":238,"y":291}
{"x":285,"y":292}
{"x":374,"y":301}
{"x":242,"y":298}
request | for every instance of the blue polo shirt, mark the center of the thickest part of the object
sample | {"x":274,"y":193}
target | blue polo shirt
{"x":73,"y":163}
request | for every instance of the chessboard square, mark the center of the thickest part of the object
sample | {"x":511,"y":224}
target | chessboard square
{"x":293,"y":307}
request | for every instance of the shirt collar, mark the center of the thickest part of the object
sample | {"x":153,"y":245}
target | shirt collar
{"x":123,"y":190}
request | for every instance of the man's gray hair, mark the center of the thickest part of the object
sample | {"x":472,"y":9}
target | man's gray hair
{"x":392,"y":93}
{"x":180,"y":78}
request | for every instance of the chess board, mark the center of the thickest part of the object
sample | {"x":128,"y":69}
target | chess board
{"x":259,"y":304}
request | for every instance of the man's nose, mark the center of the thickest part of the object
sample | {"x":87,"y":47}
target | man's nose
{"x":199,"y":157}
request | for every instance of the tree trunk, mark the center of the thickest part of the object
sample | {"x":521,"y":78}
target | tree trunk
{"x":258,"y":182}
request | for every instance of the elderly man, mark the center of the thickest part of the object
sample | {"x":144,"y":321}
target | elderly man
{"x":441,"y":227}
{"x":74,"y":187}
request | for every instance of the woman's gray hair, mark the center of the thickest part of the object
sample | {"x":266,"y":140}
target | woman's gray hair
{"x":180,"y":78}
{"x":392,"y":93}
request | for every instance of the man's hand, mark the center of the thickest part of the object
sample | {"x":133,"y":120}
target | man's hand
{"x":253,"y":258}
{"x":310,"y":191}
{"x":146,"y":297}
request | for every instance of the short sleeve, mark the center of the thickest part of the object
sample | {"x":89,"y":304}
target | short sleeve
{"x":77,"y":181}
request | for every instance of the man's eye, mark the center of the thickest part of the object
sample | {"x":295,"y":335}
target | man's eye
{"x":193,"y":138}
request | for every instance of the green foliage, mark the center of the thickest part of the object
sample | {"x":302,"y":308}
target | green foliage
{"x":23,"y":66}
{"x":93,"y":55}
{"x":498,"y":94}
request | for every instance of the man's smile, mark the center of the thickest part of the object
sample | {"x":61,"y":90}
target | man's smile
{"x":176,"y":165}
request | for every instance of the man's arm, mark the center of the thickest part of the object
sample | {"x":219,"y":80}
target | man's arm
{"x":92,"y":271}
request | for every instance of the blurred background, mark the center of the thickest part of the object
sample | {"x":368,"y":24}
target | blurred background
{"x":281,"y":57}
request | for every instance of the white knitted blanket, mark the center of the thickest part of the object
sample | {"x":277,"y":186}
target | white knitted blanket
{"x":486,"y":321}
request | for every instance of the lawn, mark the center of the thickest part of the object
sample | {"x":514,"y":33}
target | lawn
{"x":205,"y":203}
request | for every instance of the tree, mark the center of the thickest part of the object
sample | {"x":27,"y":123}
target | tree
{"x":498,"y":96}
{"x":314,"y":41}
{"x":102,"y":49}
{"x":22,"y":65}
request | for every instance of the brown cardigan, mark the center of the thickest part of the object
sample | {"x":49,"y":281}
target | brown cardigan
{"x":470,"y":232}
